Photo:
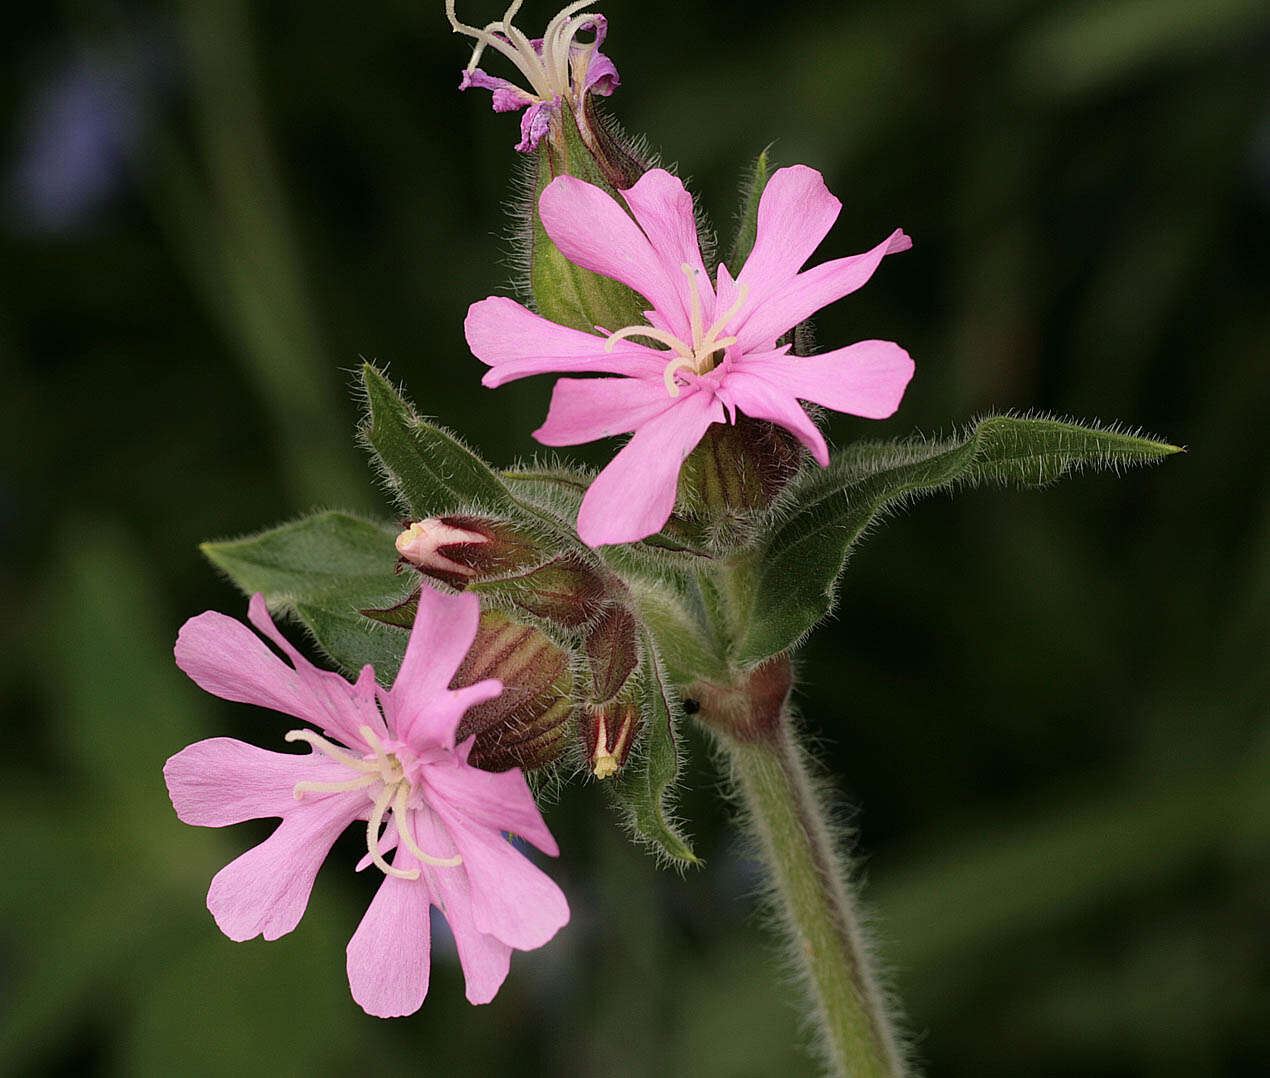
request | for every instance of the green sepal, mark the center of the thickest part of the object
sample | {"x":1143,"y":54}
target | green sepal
{"x":429,"y":470}
{"x":643,"y":787}
{"x":747,"y":219}
{"x":565,"y":293}
{"x":326,"y":569}
{"x":801,"y":559}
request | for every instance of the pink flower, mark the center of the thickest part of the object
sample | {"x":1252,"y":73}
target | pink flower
{"x":393,"y":764}
{"x":711,"y":351}
{"x":560,"y":69}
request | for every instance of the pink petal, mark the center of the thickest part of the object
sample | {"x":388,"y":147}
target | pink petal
{"x":264,"y":892}
{"x":584,"y":409}
{"x":632,"y":497}
{"x":512,"y":898}
{"x":795,"y":213}
{"x":485,"y":959}
{"x":389,"y":954}
{"x":663,"y":208}
{"x":756,"y":396}
{"x":780,"y":310}
{"x":339,"y":708}
{"x":419,"y":703}
{"x":222,"y":781}
{"x":516,"y":343}
{"x":594,"y":232}
{"x":227,"y":659}
{"x":500,"y":801}
{"x":865,"y":379}
{"x":437,"y":722}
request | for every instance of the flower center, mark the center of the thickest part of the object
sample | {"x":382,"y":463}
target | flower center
{"x":385,"y":771}
{"x":547,"y":70}
{"x":701,"y":355}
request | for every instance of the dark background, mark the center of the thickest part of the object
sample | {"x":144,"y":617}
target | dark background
{"x":1044,"y":714}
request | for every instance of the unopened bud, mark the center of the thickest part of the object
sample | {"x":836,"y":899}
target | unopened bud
{"x":612,"y":651}
{"x":526,"y":726}
{"x":735,"y":473}
{"x":459,"y":549}
{"x":566,"y":591}
{"x":607,"y":736}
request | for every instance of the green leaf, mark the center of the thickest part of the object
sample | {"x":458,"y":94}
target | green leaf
{"x":428,"y":468}
{"x":565,"y":293}
{"x":643,"y":787}
{"x":326,"y":568}
{"x":747,"y":221}
{"x":802,"y":558}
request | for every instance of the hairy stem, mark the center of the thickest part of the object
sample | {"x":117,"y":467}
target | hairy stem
{"x":811,"y":886}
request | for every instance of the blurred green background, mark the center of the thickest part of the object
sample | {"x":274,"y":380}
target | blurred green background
{"x":1044,"y":714}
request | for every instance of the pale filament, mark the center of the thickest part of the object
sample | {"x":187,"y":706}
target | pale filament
{"x":697,"y":357}
{"x":547,"y":73}
{"x":394,"y":794}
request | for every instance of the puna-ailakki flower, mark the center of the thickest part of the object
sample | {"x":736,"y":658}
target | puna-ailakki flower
{"x":707,"y":351}
{"x":386,"y":757}
{"x":560,"y":69}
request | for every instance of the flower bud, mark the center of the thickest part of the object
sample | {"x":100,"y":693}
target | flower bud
{"x":527,"y":725}
{"x":736,"y":472}
{"x":607,"y":735}
{"x":459,"y":549}
{"x":566,"y":591}
{"x":612,"y":651}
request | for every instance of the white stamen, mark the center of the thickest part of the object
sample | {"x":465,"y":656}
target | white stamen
{"x":394,"y":794}
{"x":699,"y":357}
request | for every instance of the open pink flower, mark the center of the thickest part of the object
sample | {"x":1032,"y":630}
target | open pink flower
{"x":560,"y":69}
{"x":395,"y":765}
{"x":712,"y":349}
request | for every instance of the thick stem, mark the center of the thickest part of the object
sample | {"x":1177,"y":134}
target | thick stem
{"x":810,"y":882}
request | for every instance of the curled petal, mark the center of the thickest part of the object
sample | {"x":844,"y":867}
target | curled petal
{"x":633,"y":496}
{"x":536,"y":123}
{"x":389,"y":955}
{"x":508,"y":97}
{"x":264,"y":892}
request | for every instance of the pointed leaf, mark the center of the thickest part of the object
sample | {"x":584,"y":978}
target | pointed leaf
{"x":428,"y":469}
{"x":326,"y":569}
{"x":643,"y":787}
{"x":800,"y":562}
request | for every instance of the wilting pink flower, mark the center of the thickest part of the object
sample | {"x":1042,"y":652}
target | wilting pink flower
{"x":395,"y":765}
{"x":718,"y":345}
{"x":560,"y":69}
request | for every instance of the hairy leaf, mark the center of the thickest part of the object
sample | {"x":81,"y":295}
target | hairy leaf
{"x":801,"y":559}
{"x":643,"y":787}
{"x":429,"y":469}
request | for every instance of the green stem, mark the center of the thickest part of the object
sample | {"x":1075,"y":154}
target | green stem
{"x":810,"y":882}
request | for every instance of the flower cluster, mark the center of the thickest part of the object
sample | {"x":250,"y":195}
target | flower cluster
{"x":434,"y":772}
